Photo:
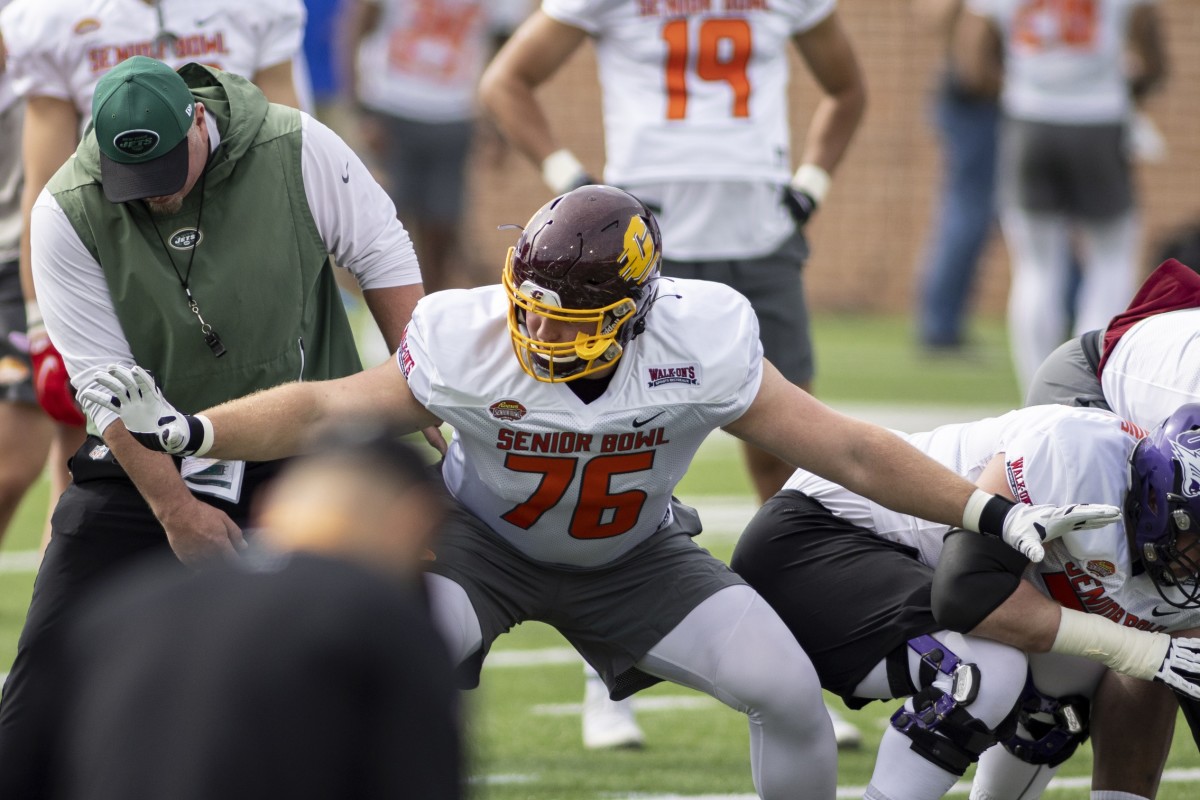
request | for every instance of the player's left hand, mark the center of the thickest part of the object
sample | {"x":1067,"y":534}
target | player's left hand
{"x":1180,"y":668}
{"x":154,"y":422}
{"x":1027,"y":527}
{"x":799,"y":203}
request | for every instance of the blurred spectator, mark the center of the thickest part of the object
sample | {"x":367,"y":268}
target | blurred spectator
{"x":309,"y":669}
{"x":966,"y":122}
{"x":413,"y":66}
{"x":25,"y":430}
{"x":1071,"y":73}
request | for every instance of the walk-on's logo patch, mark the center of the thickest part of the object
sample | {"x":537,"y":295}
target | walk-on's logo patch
{"x":507,"y":410}
{"x":1101,"y":569}
{"x":137,"y":142}
{"x":1016,"y":480}
{"x":668,"y":374}
{"x":186,"y":238}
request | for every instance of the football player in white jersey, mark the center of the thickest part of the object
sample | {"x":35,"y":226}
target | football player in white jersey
{"x":1069,"y":75}
{"x":696,"y":124}
{"x":58,"y":50}
{"x":854,"y":582}
{"x":564,"y":459}
{"x":1142,"y":365}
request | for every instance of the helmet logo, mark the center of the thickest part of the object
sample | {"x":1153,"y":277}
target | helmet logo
{"x":638,"y":258}
{"x":540,"y":295}
{"x":1186,"y":449}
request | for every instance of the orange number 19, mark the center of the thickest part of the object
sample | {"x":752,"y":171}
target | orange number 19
{"x":711,"y":63}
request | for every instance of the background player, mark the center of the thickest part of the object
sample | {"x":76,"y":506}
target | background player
{"x":1070,"y":74}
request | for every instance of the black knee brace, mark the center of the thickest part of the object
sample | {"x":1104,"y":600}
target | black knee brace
{"x":975,"y":574}
{"x":1052,"y":741}
{"x":940,"y":727}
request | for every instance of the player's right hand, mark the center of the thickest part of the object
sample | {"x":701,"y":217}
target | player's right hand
{"x":154,"y":422}
{"x":1026,"y":527}
{"x":198,"y":532}
{"x":51,"y":383}
{"x":1180,"y":669}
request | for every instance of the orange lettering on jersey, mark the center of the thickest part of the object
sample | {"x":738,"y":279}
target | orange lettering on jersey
{"x":626,"y":442}
{"x":558,"y":442}
{"x":1090,"y":596}
{"x":674,"y":8}
{"x":746,"y":5}
{"x":1133,"y":430}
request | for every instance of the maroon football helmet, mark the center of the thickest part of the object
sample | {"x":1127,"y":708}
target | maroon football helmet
{"x":589,"y":258}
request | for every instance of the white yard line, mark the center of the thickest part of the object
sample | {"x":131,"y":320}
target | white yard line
{"x":962,"y":787}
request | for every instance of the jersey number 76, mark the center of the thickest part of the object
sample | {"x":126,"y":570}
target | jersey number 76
{"x":595,"y":497}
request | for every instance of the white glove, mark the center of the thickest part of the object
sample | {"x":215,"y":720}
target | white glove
{"x":147,"y":415}
{"x":1180,"y":669}
{"x":1026,"y":527}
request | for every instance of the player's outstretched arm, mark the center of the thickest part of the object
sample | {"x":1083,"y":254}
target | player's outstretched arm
{"x":270,"y":424}
{"x":875,"y":463}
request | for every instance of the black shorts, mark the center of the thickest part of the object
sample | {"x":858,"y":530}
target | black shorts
{"x":1077,"y":170}
{"x":849,"y":596}
{"x":612,"y":614}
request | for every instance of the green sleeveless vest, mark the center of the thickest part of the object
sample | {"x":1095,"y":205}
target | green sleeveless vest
{"x":260,"y":275}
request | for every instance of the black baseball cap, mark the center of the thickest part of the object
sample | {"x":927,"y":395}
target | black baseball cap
{"x":142,"y":111}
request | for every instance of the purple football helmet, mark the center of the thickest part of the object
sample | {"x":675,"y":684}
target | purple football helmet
{"x":1164,"y":501}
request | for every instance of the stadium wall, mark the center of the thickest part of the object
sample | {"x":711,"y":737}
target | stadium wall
{"x":867,"y":240}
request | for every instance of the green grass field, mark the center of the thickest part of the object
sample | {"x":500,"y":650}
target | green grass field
{"x":524,"y":719}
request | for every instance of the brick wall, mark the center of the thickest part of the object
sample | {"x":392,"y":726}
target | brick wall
{"x":868,"y":239}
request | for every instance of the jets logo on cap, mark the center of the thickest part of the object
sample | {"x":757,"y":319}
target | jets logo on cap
{"x":137,"y":142}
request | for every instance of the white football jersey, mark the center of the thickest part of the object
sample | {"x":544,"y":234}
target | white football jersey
{"x":568,"y":482}
{"x":1147,"y":390}
{"x":693,"y":89}
{"x":61,"y":48}
{"x":1064,"y":62}
{"x":423,"y":59}
{"x":1053,"y":454}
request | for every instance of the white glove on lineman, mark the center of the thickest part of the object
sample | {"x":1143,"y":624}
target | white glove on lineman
{"x":1180,"y":669}
{"x":147,"y":415}
{"x":1026,"y":527}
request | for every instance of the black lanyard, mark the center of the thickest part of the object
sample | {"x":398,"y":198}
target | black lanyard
{"x":211,"y":337}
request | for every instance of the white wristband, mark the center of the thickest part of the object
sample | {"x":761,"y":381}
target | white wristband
{"x":561,"y":169}
{"x":974,"y":508}
{"x":33,"y":314}
{"x":1129,"y":651}
{"x":813,"y":181}
{"x":206,"y":441}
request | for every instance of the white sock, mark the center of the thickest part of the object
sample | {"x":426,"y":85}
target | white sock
{"x":1110,"y":795}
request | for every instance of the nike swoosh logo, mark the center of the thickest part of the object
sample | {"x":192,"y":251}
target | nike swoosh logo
{"x":346,"y":175}
{"x":200,"y":23}
{"x":637,"y":423}
{"x":1156,"y":613}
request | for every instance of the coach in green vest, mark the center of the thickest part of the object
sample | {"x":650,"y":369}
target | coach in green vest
{"x":190,"y":234}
